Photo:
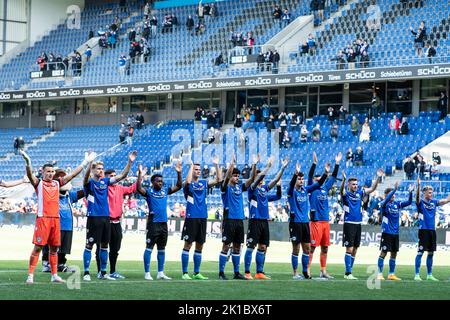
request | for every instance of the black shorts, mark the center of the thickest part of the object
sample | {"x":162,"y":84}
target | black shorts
{"x":156,"y":234}
{"x":233,"y":231}
{"x":66,"y":241}
{"x":258,"y":232}
{"x":427,"y":240}
{"x":352,"y":235}
{"x":194,"y":230}
{"x":299,"y":232}
{"x":389,"y":242}
{"x":98,"y":230}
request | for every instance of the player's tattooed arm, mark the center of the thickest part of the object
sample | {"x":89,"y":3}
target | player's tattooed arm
{"x":277,"y":178}
{"x":253,"y":174}
{"x":33,"y":180}
{"x":375,"y":184}
{"x":141,"y":173}
{"x":178,"y":168}
{"x":342,"y":188}
{"x":312,"y":169}
{"x":131,"y":158}
{"x":228,"y":175}
{"x":87,"y":161}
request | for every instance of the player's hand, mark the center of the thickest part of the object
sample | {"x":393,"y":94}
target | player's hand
{"x":216,"y":161}
{"x":396,"y":185}
{"x":269,"y":162}
{"x":279,"y":183}
{"x":315,"y":158}
{"x":380,"y":173}
{"x":327,"y":168}
{"x":233,"y":160}
{"x":297,"y":168}
{"x":179,"y":166}
{"x":411,"y":188}
{"x":25,"y":179}
{"x":338,"y":158}
{"x":132,"y":156}
{"x":285,"y":162}
{"x":418,"y":181}
{"x":344,"y":175}
{"x":90,"y":156}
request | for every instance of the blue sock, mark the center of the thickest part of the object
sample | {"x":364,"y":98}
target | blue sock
{"x":248,"y":259}
{"x":391,"y":266}
{"x":348,"y":263}
{"x":147,"y":257}
{"x":305,"y":262}
{"x":87,"y":259}
{"x":197,"y":261}
{"x":236,"y":258}
{"x":185,"y":260}
{"x":161,"y":260}
{"x":418,"y":262}
{"x":353,"y":261}
{"x":430,"y":263}
{"x":381,"y":264}
{"x":103,"y":259}
{"x":222,"y":261}
{"x":259,"y":261}
{"x":294,"y":260}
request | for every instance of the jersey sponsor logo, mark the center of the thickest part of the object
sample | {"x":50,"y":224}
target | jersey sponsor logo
{"x":262,"y":192}
{"x":198,"y":187}
{"x":302,"y":198}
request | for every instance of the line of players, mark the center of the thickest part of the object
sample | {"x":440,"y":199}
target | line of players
{"x":308,"y":224}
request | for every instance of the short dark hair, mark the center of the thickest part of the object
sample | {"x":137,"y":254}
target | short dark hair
{"x":258,"y":171}
{"x":47,"y":165}
{"x":109,"y":171}
{"x":301,"y":174}
{"x":317,"y":176}
{"x":197,"y":164}
{"x":352,"y":179}
{"x":156,"y":175}
{"x":236,"y":171}
{"x":387,"y":191}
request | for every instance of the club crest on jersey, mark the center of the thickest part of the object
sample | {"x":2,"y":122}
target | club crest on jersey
{"x":250,"y":240}
{"x":224,"y":238}
{"x":293,"y":239}
{"x":384,"y":248}
{"x":313,"y":241}
{"x":185,"y":237}
{"x":91,"y":239}
{"x":148,"y":240}
{"x":38,"y":239}
{"x":346,"y":243}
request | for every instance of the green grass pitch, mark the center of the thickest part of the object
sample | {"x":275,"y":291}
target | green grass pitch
{"x":13,"y":275}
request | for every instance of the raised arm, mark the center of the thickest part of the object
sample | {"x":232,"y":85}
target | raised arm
{"x":312,"y":169}
{"x":33,"y":180}
{"x":253,"y":176}
{"x":214,"y":182}
{"x":179,"y":185}
{"x":342,"y":188}
{"x":375,"y":184}
{"x":228,"y":175}
{"x":444,"y":201}
{"x":131,"y":157}
{"x":389,"y":196}
{"x":10,"y":184}
{"x":139,"y":187}
{"x":333,"y":177}
{"x":262,"y":174}
{"x":418,"y":191}
{"x":293,"y":180}
{"x":87,"y":174}
{"x":277,"y":178}
{"x":90,"y":157}
{"x":409,"y":201}
{"x":190,"y":173}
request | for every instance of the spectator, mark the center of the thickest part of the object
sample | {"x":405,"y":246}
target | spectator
{"x":409,"y":168}
{"x":304,"y":134}
{"x":113,"y":108}
{"x":190,"y":23}
{"x":331,"y":114}
{"x":112,"y":39}
{"x":205,"y":172}
{"x":340,"y":60}
{"x":419,"y":37}
{"x":265,"y":111}
{"x":404,"y":127}
{"x":430,"y":52}
{"x":140,"y":120}
{"x":246,"y":172}
{"x":311,"y":44}
{"x":442,"y":105}
{"x":436,"y":157}
{"x":394,"y":125}
{"x":286,"y":140}
{"x":349,"y":158}
{"x":200,"y":11}
{"x":320,"y":8}
{"x":304,"y":49}
{"x":219,"y":62}
{"x":270,"y":124}
{"x":351,"y":59}
{"x":358,"y":157}
{"x":211,"y":135}
{"x":342,"y":114}
{"x":238,"y":121}
{"x":354,"y":126}
{"x":286,"y":17}
{"x":316,"y":133}
{"x":88,"y":53}
{"x":435,"y":169}
{"x":365,"y":131}
{"x":250,"y":42}
{"x":277,"y":13}
{"x":213,"y":12}
{"x":334,"y":133}
{"x":314,"y":6}
{"x":90,"y":35}
{"x":376,"y":104}
{"x":275,"y":61}
{"x":132,"y":35}
{"x":198,"y":114}
{"x":365,"y":59}
{"x":122,"y":64}
{"x":123,"y":132}
{"x":282,"y":118}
